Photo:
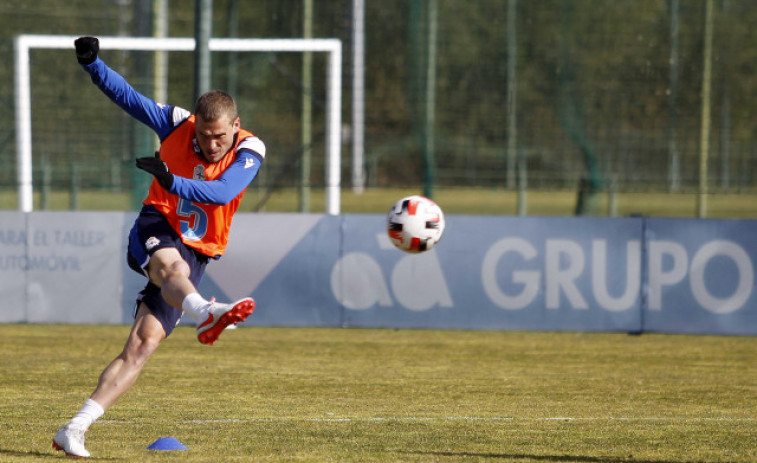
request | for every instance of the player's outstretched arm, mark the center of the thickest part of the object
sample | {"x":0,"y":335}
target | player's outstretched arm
{"x":158,"y":117}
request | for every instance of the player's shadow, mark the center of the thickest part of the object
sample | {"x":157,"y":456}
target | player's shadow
{"x":548,"y":458}
{"x":30,"y":453}
{"x":37,"y":455}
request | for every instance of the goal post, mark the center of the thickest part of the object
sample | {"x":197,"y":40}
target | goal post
{"x":23,"y":44}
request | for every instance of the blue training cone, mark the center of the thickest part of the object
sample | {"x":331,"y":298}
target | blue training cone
{"x":167,"y":443}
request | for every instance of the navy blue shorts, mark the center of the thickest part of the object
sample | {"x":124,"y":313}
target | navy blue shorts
{"x":151,"y":232}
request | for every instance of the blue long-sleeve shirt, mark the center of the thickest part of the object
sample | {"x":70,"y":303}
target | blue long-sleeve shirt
{"x":163,"y":119}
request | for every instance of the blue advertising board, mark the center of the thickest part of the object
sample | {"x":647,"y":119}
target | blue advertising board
{"x":505,"y":273}
{"x":701,"y":276}
{"x":488,"y":273}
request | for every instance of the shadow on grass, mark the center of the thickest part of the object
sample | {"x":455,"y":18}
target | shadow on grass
{"x":29,"y":453}
{"x":549,"y":458}
{"x":37,"y":455}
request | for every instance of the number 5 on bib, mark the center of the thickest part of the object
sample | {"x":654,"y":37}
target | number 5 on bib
{"x":196,"y":224}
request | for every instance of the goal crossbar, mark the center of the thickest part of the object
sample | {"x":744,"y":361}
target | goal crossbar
{"x":24,"y":43}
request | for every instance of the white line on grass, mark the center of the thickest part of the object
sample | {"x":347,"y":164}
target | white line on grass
{"x":446,"y":418}
{"x":353,"y":420}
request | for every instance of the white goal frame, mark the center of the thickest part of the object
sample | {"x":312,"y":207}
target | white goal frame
{"x":24,"y":43}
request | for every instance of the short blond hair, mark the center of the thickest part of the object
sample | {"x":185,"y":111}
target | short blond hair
{"x":214,"y":104}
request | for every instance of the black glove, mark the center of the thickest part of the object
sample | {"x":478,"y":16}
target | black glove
{"x":158,"y":168}
{"x":86,"y":49}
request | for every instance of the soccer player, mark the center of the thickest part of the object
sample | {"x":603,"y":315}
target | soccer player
{"x":205,"y":163}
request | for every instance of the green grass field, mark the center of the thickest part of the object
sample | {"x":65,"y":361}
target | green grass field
{"x":314,"y":395}
{"x":471,"y":201}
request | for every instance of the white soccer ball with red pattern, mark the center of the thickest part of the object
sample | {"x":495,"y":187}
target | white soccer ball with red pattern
{"x":415,"y":224}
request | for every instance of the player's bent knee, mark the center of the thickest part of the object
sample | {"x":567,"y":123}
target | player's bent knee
{"x":178,"y":268}
{"x":148,"y":346}
{"x":167,"y":263}
{"x":140,"y":349}
{"x":167,"y":270}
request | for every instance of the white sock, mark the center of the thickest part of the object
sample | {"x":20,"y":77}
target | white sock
{"x":89,"y":412}
{"x":195,"y":306}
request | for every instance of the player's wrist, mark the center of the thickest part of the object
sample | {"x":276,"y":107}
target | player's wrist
{"x":165,"y":180}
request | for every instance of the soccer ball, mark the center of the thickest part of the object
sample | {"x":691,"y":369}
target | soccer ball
{"x":415,"y":224}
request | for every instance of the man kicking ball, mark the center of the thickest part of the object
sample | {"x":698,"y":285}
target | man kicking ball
{"x":205,"y":163}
